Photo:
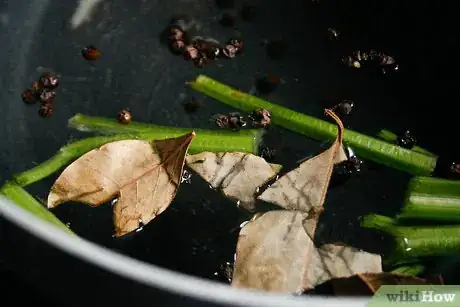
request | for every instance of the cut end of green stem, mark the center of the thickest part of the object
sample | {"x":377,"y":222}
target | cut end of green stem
{"x":378,"y":222}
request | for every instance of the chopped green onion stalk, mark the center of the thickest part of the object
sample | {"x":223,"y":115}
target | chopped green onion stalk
{"x":207,"y":142}
{"x":104,"y":125}
{"x":390,"y":137}
{"x":26,"y":201}
{"x":246,"y":140}
{"x":414,"y":242}
{"x":432,"y":199}
{"x":365,"y":146}
{"x":434,"y":186}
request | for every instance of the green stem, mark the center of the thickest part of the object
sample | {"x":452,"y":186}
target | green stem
{"x":434,"y":186}
{"x":412,"y":270}
{"x":415,"y":242}
{"x":390,"y":137}
{"x":432,"y":199}
{"x":365,"y":146}
{"x":26,"y":201}
{"x":204,"y":141}
{"x":246,"y":140}
{"x":380,"y":222}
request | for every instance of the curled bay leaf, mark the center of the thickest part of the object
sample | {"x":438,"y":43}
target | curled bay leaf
{"x":368,"y":283}
{"x":305,"y":187}
{"x":238,"y":175}
{"x":143,"y":175}
{"x":275,"y":253}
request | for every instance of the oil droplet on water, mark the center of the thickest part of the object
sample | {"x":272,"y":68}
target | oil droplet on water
{"x":244,"y":224}
{"x":141,"y":226}
{"x":225,"y":272}
{"x":186,"y":177}
{"x":407,"y":247}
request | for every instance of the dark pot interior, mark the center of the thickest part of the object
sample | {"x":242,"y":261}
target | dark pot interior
{"x":199,"y":231}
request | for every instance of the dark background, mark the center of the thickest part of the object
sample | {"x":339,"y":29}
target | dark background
{"x":136,"y":71}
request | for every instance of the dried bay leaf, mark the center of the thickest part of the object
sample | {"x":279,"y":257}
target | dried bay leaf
{"x":237,"y":175}
{"x":305,"y":187}
{"x":144,"y":175}
{"x":275,"y":253}
{"x":335,"y":261}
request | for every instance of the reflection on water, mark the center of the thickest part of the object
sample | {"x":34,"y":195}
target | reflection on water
{"x":83,"y":12}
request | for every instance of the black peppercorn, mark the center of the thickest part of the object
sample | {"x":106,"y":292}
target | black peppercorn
{"x":229,"y":51}
{"x":47,"y":96}
{"x":177,"y":47}
{"x":237,"y":43}
{"x":29,"y":96}
{"x":208,"y":49}
{"x":91,"y":53}
{"x":235,"y":121}
{"x":261,"y":118}
{"x":406,"y":140}
{"x":221,"y":120}
{"x":344,"y":170}
{"x":191,"y":53}
{"x":212,"y":52}
{"x":175,"y":33}
{"x":48,"y":81}
{"x":124,"y":117}
{"x":46,"y":110}
{"x":344,"y":108}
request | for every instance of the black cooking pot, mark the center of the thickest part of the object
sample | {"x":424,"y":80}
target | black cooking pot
{"x":137,"y":71}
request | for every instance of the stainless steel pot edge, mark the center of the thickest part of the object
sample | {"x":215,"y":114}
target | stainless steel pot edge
{"x":155,"y":276}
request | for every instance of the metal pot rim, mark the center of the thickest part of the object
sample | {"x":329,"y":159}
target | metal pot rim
{"x":155,"y":276}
